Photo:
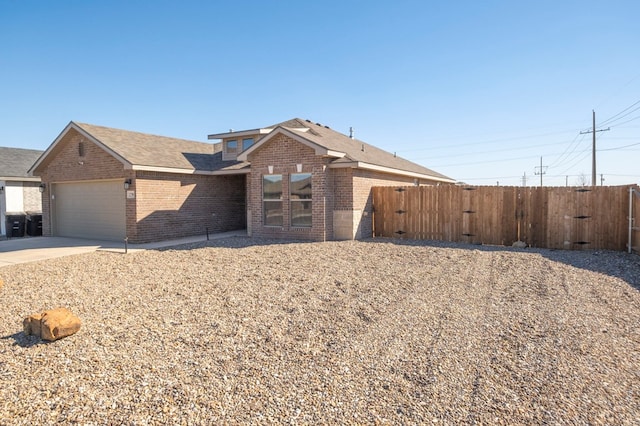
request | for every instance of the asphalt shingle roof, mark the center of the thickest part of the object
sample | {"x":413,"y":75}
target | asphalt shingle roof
{"x":146,"y":150}
{"x":142,"y":149}
{"x":354,"y":149}
{"x":15,"y":162}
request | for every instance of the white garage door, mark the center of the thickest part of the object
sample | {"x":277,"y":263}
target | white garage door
{"x":89,"y":210}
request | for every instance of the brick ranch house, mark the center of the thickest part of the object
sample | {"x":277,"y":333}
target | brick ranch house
{"x":295,"y":179}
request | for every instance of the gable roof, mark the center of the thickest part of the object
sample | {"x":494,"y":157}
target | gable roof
{"x":142,"y":151}
{"x":347,"y":151}
{"x":15,"y":163}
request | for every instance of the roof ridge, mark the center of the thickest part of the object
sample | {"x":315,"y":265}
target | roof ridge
{"x":79,"y":124}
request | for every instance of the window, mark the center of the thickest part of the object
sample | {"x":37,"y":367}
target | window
{"x":246,"y":143}
{"x":300,"y":198}
{"x":81,"y":149}
{"x":272,"y":200}
{"x":232,"y":146}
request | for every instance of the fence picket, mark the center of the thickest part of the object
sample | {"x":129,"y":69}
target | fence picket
{"x":550,"y":217}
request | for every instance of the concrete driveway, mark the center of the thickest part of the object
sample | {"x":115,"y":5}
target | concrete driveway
{"x":31,"y":249}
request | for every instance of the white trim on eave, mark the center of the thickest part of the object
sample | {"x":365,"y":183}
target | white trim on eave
{"x":239,"y":134}
{"x":390,"y":170}
{"x":172,"y":170}
{"x":319,"y":150}
{"x":19,"y":179}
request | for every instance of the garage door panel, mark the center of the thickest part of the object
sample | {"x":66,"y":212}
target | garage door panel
{"x":90,"y":210}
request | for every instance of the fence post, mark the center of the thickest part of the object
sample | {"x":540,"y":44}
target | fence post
{"x":630,"y":220}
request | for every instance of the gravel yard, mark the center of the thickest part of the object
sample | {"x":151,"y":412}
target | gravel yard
{"x":254,"y":331}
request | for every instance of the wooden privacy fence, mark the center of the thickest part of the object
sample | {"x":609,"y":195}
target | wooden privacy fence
{"x":548,"y":217}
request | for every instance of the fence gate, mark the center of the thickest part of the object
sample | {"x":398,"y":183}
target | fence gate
{"x":551,"y":217}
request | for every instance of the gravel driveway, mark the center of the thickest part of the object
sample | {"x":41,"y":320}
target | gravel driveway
{"x":255,"y":331}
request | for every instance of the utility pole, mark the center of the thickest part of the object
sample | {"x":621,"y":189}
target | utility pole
{"x":593,"y":149}
{"x":542,"y":170}
{"x":601,"y":179}
{"x":524,"y":179}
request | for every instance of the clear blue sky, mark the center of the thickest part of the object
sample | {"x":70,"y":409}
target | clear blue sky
{"x":477,"y":90}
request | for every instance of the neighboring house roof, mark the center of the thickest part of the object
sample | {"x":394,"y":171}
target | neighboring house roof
{"x":142,"y":151}
{"x":15,"y":163}
{"x":347,"y":151}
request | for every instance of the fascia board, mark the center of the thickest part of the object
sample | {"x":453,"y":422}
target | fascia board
{"x":80,"y":130}
{"x":383,"y":169}
{"x":319,"y":150}
{"x":51,"y":147}
{"x":239,"y":134}
{"x":19,"y":179}
{"x":162,"y":169}
{"x":137,"y":167}
{"x":230,"y":172}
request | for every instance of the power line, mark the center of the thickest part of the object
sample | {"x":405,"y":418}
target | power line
{"x":587,"y":152}
{"x":620,"y":147}
{"x":475,"y":153}
{"x":613,"y":117}
{"x":628,"y":121}
{"x":560,"y":158}
{"x":484,"y":142}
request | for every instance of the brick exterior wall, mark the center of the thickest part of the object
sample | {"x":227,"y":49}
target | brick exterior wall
{"x":172,"y":205}
{"x":67,"y":165}
{"x":363,"y":181}
{"x":165,"y":205}
{"x":32,"y":197}
{"x":346,"y":191}
{"x":283,"y":153}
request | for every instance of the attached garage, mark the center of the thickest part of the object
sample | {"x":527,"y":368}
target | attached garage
{"x":94,"y":209}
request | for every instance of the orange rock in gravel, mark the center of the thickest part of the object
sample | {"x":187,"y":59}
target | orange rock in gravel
{"x":52,"y":325}
{"x":31,"y":325}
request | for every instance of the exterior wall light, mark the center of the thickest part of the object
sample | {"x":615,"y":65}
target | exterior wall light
{"x":1,"y":188}
{"x":127,"y":184}
{"x":42,"y":187}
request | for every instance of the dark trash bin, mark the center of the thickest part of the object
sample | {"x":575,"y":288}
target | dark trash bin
{"x":15,"y":224}
{"x":34,"y":224}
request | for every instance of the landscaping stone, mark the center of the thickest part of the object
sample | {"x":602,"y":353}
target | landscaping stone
{"x":52,"y":325}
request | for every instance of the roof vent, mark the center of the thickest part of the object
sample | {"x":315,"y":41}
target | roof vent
{"x":308,"y":121}
{"x":362,"y":147}
{"x":352,"y":133}
{"x":318,"y":124}
{"x":230,"y":130}
{"x":327,"y":127}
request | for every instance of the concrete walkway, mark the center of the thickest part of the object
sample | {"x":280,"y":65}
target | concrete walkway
{"x":31,"y":249}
